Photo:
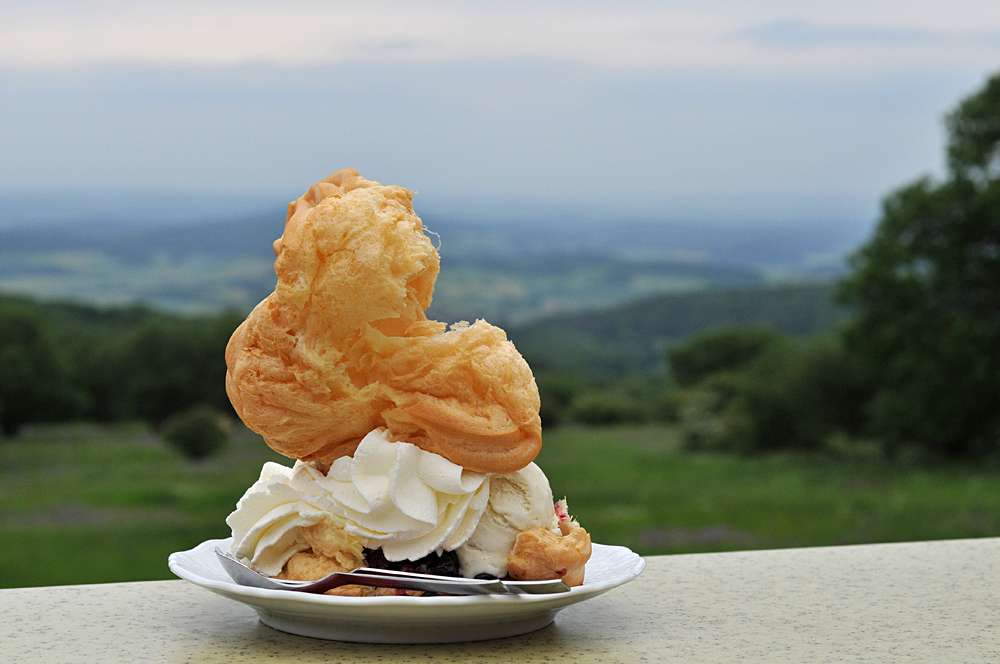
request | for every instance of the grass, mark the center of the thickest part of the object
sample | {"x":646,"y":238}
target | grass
{"x":91,"y":504}
{"x":632,"y":486}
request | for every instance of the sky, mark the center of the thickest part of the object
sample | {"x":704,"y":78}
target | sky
{"x":656,"y":109}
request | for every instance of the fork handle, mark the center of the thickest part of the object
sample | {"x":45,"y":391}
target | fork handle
{"x":456,"y":587}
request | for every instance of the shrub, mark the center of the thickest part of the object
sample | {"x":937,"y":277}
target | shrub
{"x":556,"y":392}
{"x":197,"y":432}
{"x":722,"y":349}
{"x":699,"y":413}
{"x":792,"y":396}
{"x":607,"y":407}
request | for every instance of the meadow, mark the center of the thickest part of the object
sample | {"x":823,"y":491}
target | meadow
{"x":85,"y":503}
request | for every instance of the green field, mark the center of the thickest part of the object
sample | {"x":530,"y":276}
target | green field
{"x":89,"y":504}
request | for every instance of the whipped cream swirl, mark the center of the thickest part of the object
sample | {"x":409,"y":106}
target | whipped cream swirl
{"x":391,"y":495}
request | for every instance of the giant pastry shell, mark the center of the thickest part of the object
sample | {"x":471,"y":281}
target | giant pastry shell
{"x":343,"y":346}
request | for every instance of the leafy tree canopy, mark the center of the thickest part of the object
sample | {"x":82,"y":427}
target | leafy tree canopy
{"x":926,"y":289}
{"x":720,"y":349}
{"x":34,"y":380}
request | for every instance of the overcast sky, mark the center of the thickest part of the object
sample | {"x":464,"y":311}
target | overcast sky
{"x":652,"y":106}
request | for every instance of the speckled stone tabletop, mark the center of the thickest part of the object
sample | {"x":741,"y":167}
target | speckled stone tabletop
{"x":919,"y":602}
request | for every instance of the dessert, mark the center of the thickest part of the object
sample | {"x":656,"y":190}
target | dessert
{"x":343,"y":347}
{"x":413,"y":440}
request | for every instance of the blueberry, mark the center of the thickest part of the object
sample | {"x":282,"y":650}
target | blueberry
{"x":444,"y":565}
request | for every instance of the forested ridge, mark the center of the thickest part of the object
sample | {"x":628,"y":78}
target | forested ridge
{"x":632,"y":338}
{"x":74,"y":361}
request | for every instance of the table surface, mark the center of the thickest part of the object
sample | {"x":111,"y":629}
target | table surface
{"x":915,"y":602}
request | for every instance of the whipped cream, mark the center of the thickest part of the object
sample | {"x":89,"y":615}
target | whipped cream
{"x":269,"y":518}
{"x":391,"y":495}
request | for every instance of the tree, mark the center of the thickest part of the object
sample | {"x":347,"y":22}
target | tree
{"x":170,"y":365}
{"x":788,"y":394}
{"x":719,"y":349}
{"x":926,"y":291}
{"x":34,"y":380}
{"x":556,"y":391}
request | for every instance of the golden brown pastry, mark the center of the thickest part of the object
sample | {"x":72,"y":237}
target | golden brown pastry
{"x":310,"y":566}
{"x":342,"y":346}
{"x":540,"y":554}
{"x":334,"y":542}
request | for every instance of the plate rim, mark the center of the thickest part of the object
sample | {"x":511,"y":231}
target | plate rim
{"x":231,"y":589}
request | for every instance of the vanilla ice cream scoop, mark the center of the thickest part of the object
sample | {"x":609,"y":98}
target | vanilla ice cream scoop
{"x":517,"y":501}
{"x":390,"y":495}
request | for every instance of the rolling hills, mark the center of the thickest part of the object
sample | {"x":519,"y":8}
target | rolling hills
{"x":509,"y":273}
{"x":632,"y":337}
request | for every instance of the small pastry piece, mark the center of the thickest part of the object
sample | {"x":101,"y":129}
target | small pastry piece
{"x":539,"y":554}
{"x":336,"y":544}
{"x":310,"y":566}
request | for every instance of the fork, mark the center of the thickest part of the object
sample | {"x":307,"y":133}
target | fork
{"x":245,"y":575}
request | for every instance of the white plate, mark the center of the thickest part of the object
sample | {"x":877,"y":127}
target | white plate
{"x":405,"y":619}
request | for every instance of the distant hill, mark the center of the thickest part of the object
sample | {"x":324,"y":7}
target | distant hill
{"x":806,"y":247}
{"x":509,"y":273}
{"x":753,"y":245}
{"x":131,"y":245}
{"x":508,"y":291}
{"x":634,"y":336}
{"x":506,"y":274}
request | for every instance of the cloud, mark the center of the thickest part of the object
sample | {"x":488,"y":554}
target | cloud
{"x":537,"y":98}
{"x":331,"y":33}
{"x":798,"y":34}
{"x":734,"y":34}
{"x":523,"y":128}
